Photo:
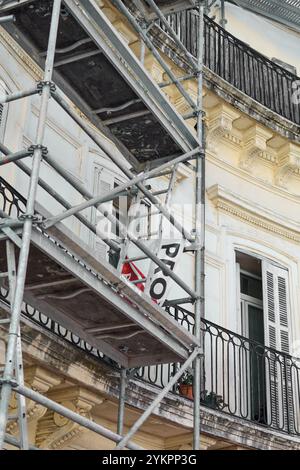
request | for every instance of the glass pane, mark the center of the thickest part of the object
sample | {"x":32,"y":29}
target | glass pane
{"x":257,"y":369}
{"x":251,"y":287}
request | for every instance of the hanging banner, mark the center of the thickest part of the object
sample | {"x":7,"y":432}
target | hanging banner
{"x":158,"y":284}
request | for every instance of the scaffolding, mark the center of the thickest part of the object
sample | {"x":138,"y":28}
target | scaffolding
{"x":35,"y":235}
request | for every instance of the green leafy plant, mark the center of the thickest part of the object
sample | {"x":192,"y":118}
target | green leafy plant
{"x":186,"y":378}
{"x":212,"y":400}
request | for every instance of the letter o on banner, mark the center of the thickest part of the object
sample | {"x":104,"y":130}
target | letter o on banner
{"x":158,"y":288}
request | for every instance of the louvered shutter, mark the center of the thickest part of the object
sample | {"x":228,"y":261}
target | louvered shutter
{"x":103,"y":226}
{"x":3,"y":112}
{"x":2,"y":120}
{"x":278,"y":366}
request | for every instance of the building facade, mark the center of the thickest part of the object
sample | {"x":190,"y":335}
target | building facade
{"x":251,"y":330}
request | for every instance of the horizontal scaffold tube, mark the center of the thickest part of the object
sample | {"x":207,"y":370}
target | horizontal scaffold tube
{"x":7,"y":19}
{"x":117,"y":160}
{"x":15,"y":157}
{"x":49,"y":189}
{"x":113,"y":245}
{"x":5,"y":98}
{"x":100,"y":199}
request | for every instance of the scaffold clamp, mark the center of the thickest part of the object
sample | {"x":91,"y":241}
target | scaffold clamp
{"x":11,"y":382}
{"x":35,"y":218}
{"x":41,"y":84}
{"x":43,"y":149}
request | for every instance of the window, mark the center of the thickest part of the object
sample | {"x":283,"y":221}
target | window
{"x":103,"y":183}
{"x":267,"y":283}
{"x":265,"y":312}
{"x":251,"y":286}
{"x":121,"y":207}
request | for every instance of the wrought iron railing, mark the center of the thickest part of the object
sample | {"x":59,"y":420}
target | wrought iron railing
{"x":240,"y":377}
{"x":236,"y":62}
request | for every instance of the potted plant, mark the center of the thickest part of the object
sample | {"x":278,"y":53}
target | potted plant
{"x":185,"y":385}
{"x":212,"y":400}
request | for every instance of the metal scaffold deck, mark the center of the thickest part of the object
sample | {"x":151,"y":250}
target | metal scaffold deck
{"x":46,"y":265}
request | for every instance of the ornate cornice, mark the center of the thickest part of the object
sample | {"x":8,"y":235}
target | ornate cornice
{"x":255,"y":146}
{"x":288,"y":165}
{"x":253,"y":214}
{"x":252,"y":143}
{"x":220,"y":126}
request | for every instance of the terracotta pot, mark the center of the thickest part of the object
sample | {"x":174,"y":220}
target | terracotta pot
{"x":186,"y":390}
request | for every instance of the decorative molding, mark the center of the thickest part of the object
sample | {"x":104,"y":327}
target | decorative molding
{"x":288,"y":165}
{"x":153,"y":67}
{"x":253,"y":214}
{"x":175,"y":96}
{"x":220,"y":125}
{"x":255,"y":146}
{"x":127,"y":34}
{"x":55,"y":431}
{"x":183,"y":172}
{"x":39,"y":380}
{"x":185,"y":442}
{"x":20,"y":55}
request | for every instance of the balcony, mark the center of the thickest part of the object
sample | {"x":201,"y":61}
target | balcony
{"x":240,"y":377}
{"x":238,"y":64}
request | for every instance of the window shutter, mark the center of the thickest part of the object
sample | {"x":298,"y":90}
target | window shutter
{"x":102,"y":187}
{"x":278,"y":366}
{"x":3,"y":113}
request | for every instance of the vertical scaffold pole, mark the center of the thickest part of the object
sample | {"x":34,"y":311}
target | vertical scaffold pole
{"x":223,"y":21}
{"x":22,"y":419}
{"x":122,"y":397}
{"x":27,"y":229}
{"x":199,"y":231}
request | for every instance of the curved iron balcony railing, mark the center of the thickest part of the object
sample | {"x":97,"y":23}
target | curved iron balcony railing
{"x":236,"y":62}
{"x":240,"y":377}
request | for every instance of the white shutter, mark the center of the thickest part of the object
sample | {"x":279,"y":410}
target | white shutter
{"x":102,"y":186}
{"x":278,"y":366}
{"x":3,"y":112}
